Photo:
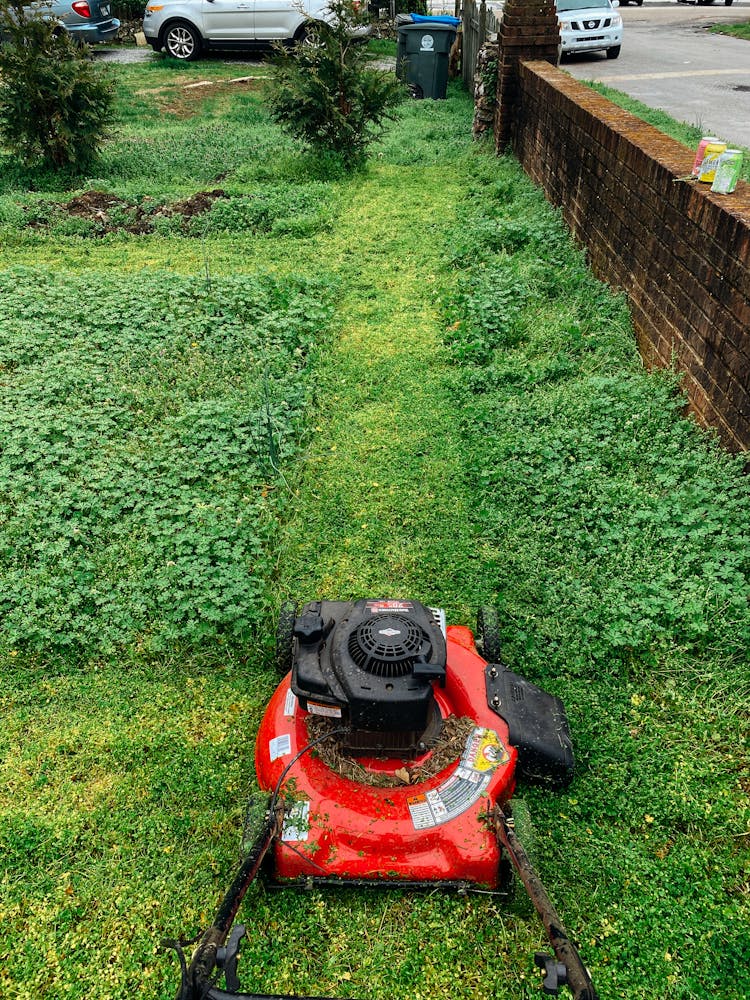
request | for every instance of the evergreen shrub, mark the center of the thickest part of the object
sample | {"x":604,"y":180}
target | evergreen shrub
{"x":56,"y":106}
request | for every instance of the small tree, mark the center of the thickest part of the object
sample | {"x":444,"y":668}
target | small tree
{"x":56,"y":106}
{"x":324,"y":93}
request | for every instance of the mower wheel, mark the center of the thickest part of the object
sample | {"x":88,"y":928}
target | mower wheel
{"x":523,"y":825}
{"x":488,"y":634}
{"x":285,"y":637}
{"x":256,"y":813}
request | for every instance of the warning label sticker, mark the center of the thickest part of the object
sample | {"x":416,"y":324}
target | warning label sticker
{"x":280,"y":746}
{"x":290,"y":703}
{"x":378,"y":607}
{"x":483,"y":754}
{"x":329,"y":711}
{"x":484,"y":751}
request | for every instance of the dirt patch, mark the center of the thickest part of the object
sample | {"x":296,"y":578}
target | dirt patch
{"x":189,"y":100}
{"x":197,"y":204}
{"x":447,"y":748}
{"x":93,"y":204}
{"x":110,"y":214}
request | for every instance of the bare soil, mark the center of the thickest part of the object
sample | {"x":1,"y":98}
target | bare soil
{"x":111,"y":214}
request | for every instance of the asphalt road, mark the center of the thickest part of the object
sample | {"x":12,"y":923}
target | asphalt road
{"x":670,"y":60}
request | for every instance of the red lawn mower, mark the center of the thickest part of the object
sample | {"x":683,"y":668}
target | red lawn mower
{"x":390,"y":751}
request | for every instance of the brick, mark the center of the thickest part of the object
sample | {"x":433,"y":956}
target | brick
{"x":681,"y":253}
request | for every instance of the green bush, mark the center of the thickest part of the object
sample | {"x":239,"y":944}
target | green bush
{"x":128,"y":10}
{"x":402,"y":7}
{"x":56,"y":106}
{"x":324,"y":94}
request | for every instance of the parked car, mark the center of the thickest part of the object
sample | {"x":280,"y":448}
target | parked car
{"x":186,"y":28}
{"x":590,"y":26}
{"x":87,"y":20}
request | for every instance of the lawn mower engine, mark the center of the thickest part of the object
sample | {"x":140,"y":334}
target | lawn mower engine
{"x":391,"y":750}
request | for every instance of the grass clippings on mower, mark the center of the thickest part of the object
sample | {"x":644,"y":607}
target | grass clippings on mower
{"x":447,"y":749}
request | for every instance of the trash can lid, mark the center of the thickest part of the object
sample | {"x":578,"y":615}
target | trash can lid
{"x":436,"y":19}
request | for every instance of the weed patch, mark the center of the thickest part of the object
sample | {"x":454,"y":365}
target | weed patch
{"x":275,"y":209}
{"x":144,"y":443}
{"x":609,"y":496}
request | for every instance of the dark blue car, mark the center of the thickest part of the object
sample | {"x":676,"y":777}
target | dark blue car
{"x":87,"y":20}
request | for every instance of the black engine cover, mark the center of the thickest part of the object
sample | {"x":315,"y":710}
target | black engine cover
{"x":371,"y":662}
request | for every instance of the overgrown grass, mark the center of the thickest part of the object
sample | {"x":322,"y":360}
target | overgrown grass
{"x":476,"y":429}
{"x":144,"y":432}
{"x":381,"y":47}
{"x":622,"y":552}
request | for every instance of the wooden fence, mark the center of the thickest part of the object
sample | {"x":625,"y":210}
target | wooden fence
{"x":479,"y":24}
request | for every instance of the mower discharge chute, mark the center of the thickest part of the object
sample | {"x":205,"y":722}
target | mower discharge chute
{"x":390,"y":750}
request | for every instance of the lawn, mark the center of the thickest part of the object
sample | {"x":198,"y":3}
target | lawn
{"x":401,"y":383}
{"x":741,"y":30}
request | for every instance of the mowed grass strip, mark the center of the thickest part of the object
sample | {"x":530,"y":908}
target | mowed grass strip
{"x":383,"y":508}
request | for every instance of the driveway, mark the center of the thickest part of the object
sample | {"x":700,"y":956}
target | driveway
{"x":670,"y":60}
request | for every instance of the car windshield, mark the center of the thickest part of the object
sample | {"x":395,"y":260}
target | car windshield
{"x":563,"y":5}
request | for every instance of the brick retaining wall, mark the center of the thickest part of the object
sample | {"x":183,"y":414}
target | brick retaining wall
{"x":680,"y":253}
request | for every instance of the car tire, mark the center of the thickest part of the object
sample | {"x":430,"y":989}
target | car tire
{"x":727,"y":3}
{"x":308,"y":35}
{"x":182,"y":41}
{"x":614,"y":52}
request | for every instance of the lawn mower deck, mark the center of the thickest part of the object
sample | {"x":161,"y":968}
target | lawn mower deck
{"x":390,"y":751}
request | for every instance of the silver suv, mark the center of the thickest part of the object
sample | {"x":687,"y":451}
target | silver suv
{"x":590,"y":25}
{"x":185,"y":28}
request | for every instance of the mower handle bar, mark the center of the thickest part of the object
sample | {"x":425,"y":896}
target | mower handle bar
{"x":218,"y":948}
{"x":216,"y":994}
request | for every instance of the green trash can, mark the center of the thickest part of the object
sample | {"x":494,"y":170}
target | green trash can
{"x":422,"y":57}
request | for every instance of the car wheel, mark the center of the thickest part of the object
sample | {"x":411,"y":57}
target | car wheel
{"x":614,"y":52}
{"x":727,"y":3}
{"x":308,"y":36}
{"x":182,"y":41}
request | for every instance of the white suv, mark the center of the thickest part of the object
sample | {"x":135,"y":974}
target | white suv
{"x":185,"y":28}
{"x":590,"y":25}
